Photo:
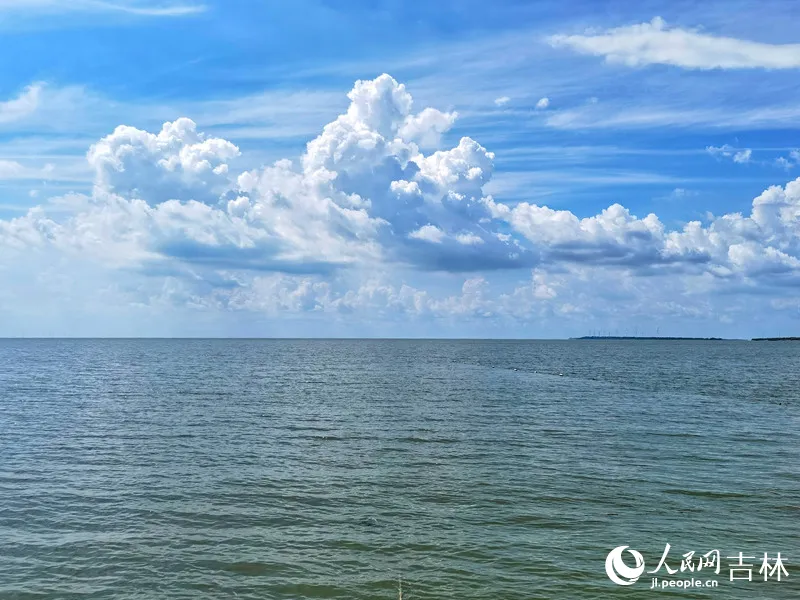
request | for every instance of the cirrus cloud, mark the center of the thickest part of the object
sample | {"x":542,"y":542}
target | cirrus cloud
{"x":658,"y":43}
{"x":131,"y":7}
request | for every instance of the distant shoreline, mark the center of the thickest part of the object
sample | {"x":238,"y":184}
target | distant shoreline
{"x":693,"y":339}
{"x":632,"y":337}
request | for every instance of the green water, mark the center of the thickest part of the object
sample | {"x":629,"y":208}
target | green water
{"x":159,"y":469}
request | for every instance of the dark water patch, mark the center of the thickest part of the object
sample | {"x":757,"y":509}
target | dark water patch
{"x":707,"y":494}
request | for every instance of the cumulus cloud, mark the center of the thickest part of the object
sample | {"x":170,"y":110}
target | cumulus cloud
{"x":616,"y":237}
{"x":428,"y":233}
{"x":657,"y":43}
{"x":176,"y":163}
{"x":364,"y":197}
{"x":543,"y":103}
{"x":502,"y":100}
{"x":740,"y":156}
{"x":360,"y":190}
{"x":427,"y":127}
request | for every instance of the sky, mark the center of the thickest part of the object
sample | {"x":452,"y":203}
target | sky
{"x":399,"y":169}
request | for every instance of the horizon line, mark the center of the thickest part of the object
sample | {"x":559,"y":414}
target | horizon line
{"x":383,"y":338}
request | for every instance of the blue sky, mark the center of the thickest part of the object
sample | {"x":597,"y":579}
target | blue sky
{"x":540,"y":169}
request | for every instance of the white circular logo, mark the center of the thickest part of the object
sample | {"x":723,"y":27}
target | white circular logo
{"x":618,"y":571}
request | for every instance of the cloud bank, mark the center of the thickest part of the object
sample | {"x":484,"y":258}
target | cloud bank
{"x":371,"y":203}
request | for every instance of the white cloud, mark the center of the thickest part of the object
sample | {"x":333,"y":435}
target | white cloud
{"x":616,"y":237}
{"x":280,"y":293}
{"x":469,"y":239}
{"x":21,"y":106}
{"x":362,"y":187}
{"x":740,"y":156}
{"x":543,"y":103}
{"x":12,"y":169}
{"x":428,"y":233}
{"x":789,"y":162}
{"x":39,"y":111}
{"x":176,"y":163}
{"x":657,"y":43}
{"x":502,"y":100}
{"x":427,"y":127}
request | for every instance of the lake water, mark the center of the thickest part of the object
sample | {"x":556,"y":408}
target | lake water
{"x":166,"y":469}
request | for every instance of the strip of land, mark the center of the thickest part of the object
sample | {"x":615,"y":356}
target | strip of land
{"x":632,"y":337}
{"x":697,"y":339}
